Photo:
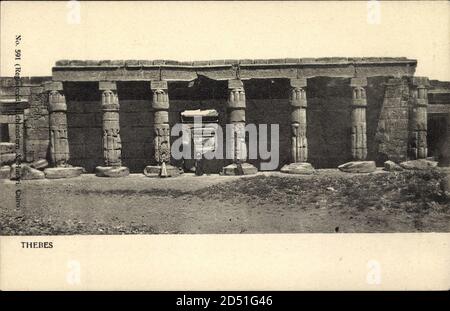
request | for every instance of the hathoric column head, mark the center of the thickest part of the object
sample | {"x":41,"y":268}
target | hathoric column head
{"x":56,"y":102}
{"x":160,"y":99}
{"x":236,"y":94}
{"x":56,"y":98}
{"x":359,"y":92}
{"x":297,"y":96}
{"x":419,"y":90}
{"x":110,"y":101}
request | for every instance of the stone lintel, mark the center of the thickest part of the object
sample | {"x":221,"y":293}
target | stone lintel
{"x":358,"y":82}
{"x":298,"y":83}
{"x":53,"y":86}
{"x":107,"y":85}
{"x":158,"y":85}
{"x":235,"y":83}
{"x":420,"y":82}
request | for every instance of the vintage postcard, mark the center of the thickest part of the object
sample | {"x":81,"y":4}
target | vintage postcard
{"x":224,"y":145}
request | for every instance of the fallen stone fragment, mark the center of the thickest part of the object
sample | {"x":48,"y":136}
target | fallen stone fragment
{"x":392,"y":166}
{"x":111,"y":171}
{"x":154,"y":171}
{"x":232,"y":169}
{"x":358,"y":167}
{"x":5,"y":172}
{"x":26,"y":172}
{"x":63,"y":172}
{"x":39,"y":164}
{"x":298,"y":168}
{"x":7,"y":158}
{"x":7,"y":148}
{"x":420,"y":164}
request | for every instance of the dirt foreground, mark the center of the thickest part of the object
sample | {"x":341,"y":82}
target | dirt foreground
{"x":328,"y":201}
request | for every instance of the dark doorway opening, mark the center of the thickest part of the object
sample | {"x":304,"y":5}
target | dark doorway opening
{"x":437,"y":135}
{"x":4,"y":132}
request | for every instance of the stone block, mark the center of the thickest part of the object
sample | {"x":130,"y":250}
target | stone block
{"x":7,"y":148}
{"x":358,"y":82}
{"x":392,"y":166}
{"x":232,"y":169}
{"x":63,"y":172}
{"x":53,"y":86}
{"x":26,"y":172}
{"x":7,"y":158}
{"x":39,"y":164}
{"x":298,"y":83}
{"x":358,"y":167}
{"x":155,"y":171}
{"x":111,"y":171}
{"x":158,"y":85}
{"x":235,"y":83}
{"x":420,"y":164}
{"x":107,"y":85}
{"x":5,"y":172}
{"x":298,"y":168}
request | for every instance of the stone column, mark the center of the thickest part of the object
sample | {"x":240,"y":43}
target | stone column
{"x":59,"y":139}
{"x":112,"y":145}
{"x":358,"y":134}
{"x":236,"y":145}
{"x":299,"y":141}
{"x":359,"y":104}
{"x":161,"y":140}
{"x":419,"y":96}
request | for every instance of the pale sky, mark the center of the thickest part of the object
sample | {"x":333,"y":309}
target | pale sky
{"x":225,"y":30}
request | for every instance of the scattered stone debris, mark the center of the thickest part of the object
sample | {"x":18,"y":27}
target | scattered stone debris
{"x":358,"y":167}
{"x":391,"y":166}
{"x":420,"y":164}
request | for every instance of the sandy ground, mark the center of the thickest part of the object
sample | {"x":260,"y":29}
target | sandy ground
{"x":329,"y":201}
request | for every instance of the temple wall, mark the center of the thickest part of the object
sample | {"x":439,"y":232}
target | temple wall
{"x":267,"y":102}
{"x":393,"y":125}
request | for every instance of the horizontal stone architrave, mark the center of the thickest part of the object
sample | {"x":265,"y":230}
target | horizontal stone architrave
{"x":230,"y":69}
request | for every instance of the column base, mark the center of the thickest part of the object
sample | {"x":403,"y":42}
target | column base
{"x":303,"y":168}
{"x":112,"y":171}
{"x":63,"y":172}
{"x":232,"y":170}
{"x":155,"y":171}
{"x":358,"y":167}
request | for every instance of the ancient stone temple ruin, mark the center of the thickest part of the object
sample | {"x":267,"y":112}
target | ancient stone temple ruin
{"x":115,"y":117}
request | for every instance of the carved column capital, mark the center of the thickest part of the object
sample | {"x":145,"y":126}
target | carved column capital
{"x":419,"y":91}
{"x":236,"y":94}
{"x":160,"y":95}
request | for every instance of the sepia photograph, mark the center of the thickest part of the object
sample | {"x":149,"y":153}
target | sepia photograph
{"x":222,"y":118}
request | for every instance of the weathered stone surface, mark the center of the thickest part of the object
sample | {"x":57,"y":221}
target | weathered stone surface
{"x":232,"y":170}
{"x":358,"y":167}
{"x":7,"y":148}
{"x":154,"y":171}
{"x":62,"y":172}
{"x":111,"y":171}
{"x":445,"y":183}
{"x":7,"y":158}
{"x":392,"y":166}
{"x":5,"y":172}
{"x":298,"y":168}
{"x":420,"y":164}
{"x":39,"y":164}
{"x":26,"y":172}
